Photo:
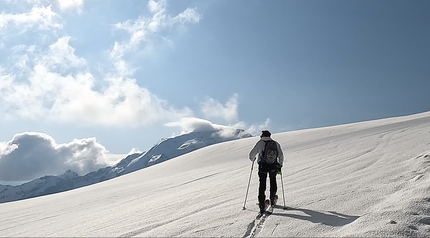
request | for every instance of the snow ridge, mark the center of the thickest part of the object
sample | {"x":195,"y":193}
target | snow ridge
{"x":165,"y":149}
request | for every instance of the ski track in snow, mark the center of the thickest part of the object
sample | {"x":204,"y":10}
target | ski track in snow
{"x":256,"y":225}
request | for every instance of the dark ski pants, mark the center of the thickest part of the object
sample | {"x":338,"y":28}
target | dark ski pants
{"x":262,"y":187}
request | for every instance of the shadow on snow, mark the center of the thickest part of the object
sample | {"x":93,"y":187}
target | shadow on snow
{"x":327,"y":218}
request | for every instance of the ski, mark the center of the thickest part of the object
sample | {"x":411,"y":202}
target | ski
{"x":272,"y":206}
{"x":268,"y":209}
{"x":266,"y":206}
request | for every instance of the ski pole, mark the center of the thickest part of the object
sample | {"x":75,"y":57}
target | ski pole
{"x":249,"y":181}
{"x":283,"y":193}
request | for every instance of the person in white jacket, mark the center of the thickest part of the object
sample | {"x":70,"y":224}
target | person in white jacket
{"x":265,"y":168}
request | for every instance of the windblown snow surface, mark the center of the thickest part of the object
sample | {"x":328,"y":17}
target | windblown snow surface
{"x":361,"y":179}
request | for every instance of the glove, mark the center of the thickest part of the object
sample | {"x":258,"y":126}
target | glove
{"x":278,"y":167}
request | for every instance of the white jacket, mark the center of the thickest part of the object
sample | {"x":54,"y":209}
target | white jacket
{"x":259,"y":147}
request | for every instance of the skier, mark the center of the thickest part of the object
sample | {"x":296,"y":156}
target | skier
{"x":270,"y":161}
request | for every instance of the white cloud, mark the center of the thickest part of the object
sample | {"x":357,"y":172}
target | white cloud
{"x":193,"y":124}
{"x":144,"y":30}
{"x":190,"y":124}
{"x":6,"y":80}
{"x":155,"y":7}
{"x":257,"y":128}
{"x":51,"y":92}
{"x":70,"y":4}
{"x":212,"y":108}
{"x":42,"y":17}
{"x":30,"y":155}
{"x":189,"y":15}
{"x":62,"y":4}
{"x":61,"y":55}
{"x":49,"y":81}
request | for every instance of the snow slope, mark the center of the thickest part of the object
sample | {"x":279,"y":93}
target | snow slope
{"x":362,"y":179}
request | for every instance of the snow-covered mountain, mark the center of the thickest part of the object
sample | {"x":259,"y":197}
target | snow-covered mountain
{"x":165,"y":149}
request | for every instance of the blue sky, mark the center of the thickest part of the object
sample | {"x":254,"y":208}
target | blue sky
{"x":118,"y":73}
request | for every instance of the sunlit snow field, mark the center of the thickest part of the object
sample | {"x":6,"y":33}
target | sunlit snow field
{"x":362,"y":179}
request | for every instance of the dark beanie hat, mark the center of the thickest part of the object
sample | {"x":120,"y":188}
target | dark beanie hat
{"x":265,"y":133}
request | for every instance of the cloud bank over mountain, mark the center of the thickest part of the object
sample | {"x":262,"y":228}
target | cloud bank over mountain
{"x":30,"y":154}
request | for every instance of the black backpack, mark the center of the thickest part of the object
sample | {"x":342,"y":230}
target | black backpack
{"x":270,"y":152}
